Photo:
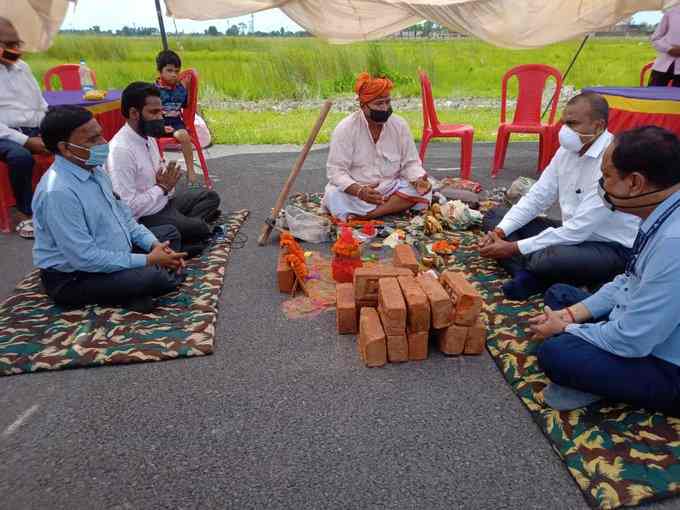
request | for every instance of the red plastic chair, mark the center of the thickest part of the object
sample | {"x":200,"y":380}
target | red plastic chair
{"x":532,"y":79}
{"x":189,"y":117}
{"x":7,"y":199}
{"x":68,"y":76}
{"x":432,"y":128}
{"x":643,"y":74}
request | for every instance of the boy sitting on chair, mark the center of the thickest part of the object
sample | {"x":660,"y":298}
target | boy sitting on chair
{"x":174,"y":97}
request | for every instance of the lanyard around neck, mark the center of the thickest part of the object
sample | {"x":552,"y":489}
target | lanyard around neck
{"x":643,"y":238}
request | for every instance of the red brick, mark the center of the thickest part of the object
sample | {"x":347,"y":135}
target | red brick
{"x":417,"y":345}
{"x":366,"y":282}
{"x":284,"y":274}
{"x":404,"y":256}
{"x":452,"y":340}
{"x":372,"y":343}
{"x":467,"y":300}
{"x":441,"y":307}
{"x":346,"y":309}
{"x":417,"y":305}
{"x":391,"y":306}
{"x":397,"y":348}
{"x":476,"y":340}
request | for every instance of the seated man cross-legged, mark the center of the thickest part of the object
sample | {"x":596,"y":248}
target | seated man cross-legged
{"x":142,"y":180}
{"x":592,"y":243}
{"x":623,"y":342}
{"x":89,"y":248}
{"x":373,"y":166}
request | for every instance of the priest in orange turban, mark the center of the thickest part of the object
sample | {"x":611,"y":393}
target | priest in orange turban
{"x":373,"y":166}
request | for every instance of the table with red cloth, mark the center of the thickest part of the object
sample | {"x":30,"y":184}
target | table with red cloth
{"x":107,"y":111}
{"x":631,"y":107}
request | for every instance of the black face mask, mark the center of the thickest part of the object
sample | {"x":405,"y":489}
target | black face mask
{"x":10,"y":55}
{"x":153,"y":128}
{"x":607,"y":198}
{"x":379,"y":116}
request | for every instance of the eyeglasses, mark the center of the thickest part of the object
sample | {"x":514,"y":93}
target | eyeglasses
{"x":16,"y":44}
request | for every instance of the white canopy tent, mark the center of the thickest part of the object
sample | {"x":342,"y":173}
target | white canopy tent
{"x":507,"y":23}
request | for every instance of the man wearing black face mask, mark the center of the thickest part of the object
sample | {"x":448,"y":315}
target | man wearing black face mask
{"x":22,"y":108}
{"x":373,"y":167}
{"x":623,"y":342}
{"x":142,"y":180}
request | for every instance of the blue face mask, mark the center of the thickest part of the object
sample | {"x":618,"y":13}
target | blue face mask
{"x":98,"y":154}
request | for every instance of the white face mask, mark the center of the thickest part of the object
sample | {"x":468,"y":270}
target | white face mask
{"x":571,"y":140}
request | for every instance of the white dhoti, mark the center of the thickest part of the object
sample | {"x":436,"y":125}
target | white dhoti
{"x":341,"y":204}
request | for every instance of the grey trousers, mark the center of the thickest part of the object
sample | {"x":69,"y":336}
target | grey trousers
{"x":588,"y":263}
{"x":187,"y":212}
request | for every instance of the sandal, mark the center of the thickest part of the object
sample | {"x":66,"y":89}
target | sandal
{"x":25,"y":229}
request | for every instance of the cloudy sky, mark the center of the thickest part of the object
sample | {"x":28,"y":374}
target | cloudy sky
{"x":142,"y":13}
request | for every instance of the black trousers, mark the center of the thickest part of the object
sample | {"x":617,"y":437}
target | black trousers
{"x":187,"y":212}
{"x":80,"y":288}
{"x":661,"y":79}
{"x":20,"y":162}
{"x":588,"y":263}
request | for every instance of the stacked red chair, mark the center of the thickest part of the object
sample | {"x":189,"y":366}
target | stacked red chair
{"x":532,"y":79}
{"x":432,"y":128}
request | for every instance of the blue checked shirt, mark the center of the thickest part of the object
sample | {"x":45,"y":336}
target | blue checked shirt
{"x":81,"y":226}
{"x":643,"y":308}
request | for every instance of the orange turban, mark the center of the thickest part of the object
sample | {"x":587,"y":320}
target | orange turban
{"x":368,"y":88}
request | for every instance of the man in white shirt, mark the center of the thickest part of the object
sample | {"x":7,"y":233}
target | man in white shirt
{"x":373,"y":166}
{"x":592,"y":243}
{"x":142,"y":180}
{"x":666,"y":41}
{"x":22,"y":108}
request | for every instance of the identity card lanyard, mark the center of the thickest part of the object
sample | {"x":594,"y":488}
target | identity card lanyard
{"x":643,"y":238}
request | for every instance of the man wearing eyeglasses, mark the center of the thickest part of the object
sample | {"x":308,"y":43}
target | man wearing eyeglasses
{"x":22,"y":108}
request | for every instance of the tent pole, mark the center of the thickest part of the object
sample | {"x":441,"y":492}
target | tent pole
{"x":161,"y":25}
{"x":566,"y":73}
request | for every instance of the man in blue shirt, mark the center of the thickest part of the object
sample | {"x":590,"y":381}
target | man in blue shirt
{"x":623,"y":342}
{"x":87,"y":244}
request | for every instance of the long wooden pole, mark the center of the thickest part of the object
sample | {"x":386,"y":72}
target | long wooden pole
{"x":281,"y":200}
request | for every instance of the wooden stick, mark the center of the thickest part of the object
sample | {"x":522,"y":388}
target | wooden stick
{"x":281,"y":200}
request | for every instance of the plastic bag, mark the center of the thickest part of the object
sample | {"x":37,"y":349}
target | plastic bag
{"x":307,"y":226}
{"x":519,"y":188}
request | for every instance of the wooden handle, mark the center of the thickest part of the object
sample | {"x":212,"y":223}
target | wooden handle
{"x":281,"y":200}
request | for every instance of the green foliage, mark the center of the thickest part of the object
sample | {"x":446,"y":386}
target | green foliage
{"x":238,"y":127}
{"x":308,"y":68}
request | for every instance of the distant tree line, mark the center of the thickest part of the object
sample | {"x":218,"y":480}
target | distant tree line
{"x":212,"y":31}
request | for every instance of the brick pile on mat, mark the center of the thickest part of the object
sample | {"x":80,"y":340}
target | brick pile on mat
{"x":396,"y":312}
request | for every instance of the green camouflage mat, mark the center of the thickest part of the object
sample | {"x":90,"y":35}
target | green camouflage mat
{"x":618,"y":455}
{"x":36,"y":334}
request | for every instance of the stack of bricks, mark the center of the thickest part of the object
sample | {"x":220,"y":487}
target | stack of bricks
{"x":395,"y":312}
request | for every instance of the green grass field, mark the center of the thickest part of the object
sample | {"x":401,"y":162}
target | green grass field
{"x":307,"y":68}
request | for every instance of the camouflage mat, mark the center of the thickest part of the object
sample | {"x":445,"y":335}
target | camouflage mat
{"x":618,"y":455}
{"x":36,"y":334}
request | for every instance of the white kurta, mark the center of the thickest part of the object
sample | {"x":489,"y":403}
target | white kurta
{"x":572,"y":180}
{"x":392,"y":163}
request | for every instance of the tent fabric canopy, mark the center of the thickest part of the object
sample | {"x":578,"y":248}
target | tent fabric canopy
{"x":37,"y":21}
{"x":507,"y":23}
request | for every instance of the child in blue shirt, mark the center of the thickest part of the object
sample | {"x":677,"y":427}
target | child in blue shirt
{"x":174,"y":97}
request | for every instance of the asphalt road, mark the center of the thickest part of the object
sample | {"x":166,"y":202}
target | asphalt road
{"x":283,"y":415}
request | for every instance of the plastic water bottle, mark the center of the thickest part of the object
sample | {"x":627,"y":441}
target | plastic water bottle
{"x":86,"y":83}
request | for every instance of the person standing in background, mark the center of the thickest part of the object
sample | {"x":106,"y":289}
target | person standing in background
{"x":666,"y":40}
